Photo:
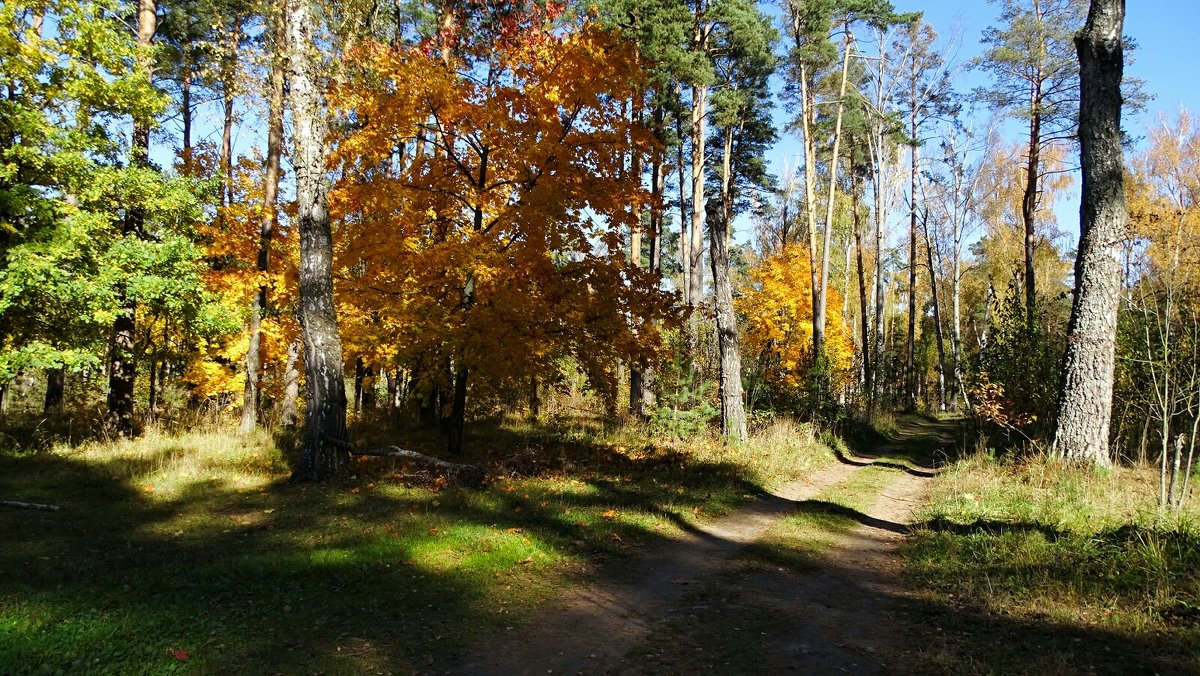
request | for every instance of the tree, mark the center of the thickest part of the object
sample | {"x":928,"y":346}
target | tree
{"x":322,"y":453}
{"x":499,"y":253}
{"x":777,"y":307}
{"x":1035,"y":79}
{"x":1085,"y":407}
{"x":741,"y":108}
{"x":269,"y":218}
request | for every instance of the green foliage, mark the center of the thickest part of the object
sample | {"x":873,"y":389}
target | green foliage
{"x":69,"y":262}
{"x":1016,"y":378}
{"x":685,"y":401}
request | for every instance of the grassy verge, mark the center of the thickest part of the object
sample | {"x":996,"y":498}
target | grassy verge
{"x":190,"y":553}
{"x":1034,"y":568}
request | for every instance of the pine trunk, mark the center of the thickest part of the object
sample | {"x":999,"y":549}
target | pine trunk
{"x":322,"y":453}
{"x":1085,"y":406}
{"x":733,"y":412}
{"x":267,"y":228}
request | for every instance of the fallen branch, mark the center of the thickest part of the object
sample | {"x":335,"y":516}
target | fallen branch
{"x":15,"y":504}
{"x":467,"y":475}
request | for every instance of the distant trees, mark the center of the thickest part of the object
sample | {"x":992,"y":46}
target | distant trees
{"x":1035,"y":78}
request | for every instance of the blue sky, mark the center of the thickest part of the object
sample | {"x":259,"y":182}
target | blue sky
{"x":1167,"y":58}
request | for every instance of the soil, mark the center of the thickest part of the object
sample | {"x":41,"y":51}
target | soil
{"x":693,"y":605}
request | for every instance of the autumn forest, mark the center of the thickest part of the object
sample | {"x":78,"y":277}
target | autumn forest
{"x":381,"y":336}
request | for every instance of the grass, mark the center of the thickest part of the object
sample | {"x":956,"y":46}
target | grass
{"x":191,"y":553}
{"x":1081,"y":565}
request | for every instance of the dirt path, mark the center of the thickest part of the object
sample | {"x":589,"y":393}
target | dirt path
{"x":834,"y":618}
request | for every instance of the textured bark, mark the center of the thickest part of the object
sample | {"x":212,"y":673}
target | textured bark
{"x":267,"y":228}
{"x":325,"y":387}
{"x":1029,"y":205}
{"x":636,"y":381}
{"x":1085,"y":406}
{"x":122,"y":369}
{"x":733,"y":412}
{"x":56,"y":380}
{"x":910,"y":362}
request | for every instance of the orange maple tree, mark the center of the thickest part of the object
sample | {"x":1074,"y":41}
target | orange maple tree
{"x":481,"y":205}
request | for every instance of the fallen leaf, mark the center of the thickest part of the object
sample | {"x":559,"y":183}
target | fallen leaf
{"x":513,"y":530}
{"x":181,"y":655}
{"x":610,"y":514}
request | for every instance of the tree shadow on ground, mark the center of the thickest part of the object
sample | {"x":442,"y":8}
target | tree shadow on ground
{"x":323,"y":578}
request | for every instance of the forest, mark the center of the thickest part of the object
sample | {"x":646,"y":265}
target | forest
{"x":617,"y":336}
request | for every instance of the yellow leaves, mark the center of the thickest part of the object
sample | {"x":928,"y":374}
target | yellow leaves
{"x":489,"y":237}
{"x":777,"y":305}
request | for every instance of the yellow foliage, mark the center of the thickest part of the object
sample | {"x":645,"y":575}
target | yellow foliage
{"x":777,"y":306}
{"x":493,"y":238}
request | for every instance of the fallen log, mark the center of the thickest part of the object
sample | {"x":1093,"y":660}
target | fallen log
{"x":16,"y":504}
{"x":464,"y":474}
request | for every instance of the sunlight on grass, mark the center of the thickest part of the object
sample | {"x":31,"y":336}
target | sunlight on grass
{"x":195,"y":542}
{"x":1037,"y":542}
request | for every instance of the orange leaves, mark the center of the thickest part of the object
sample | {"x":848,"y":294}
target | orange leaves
{"x":777,"y":306}
{"x":480,"y":213}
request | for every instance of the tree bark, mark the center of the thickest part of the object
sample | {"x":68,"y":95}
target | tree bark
{"x":1029,"y":207}
{"x":1085,"y":405}
{"x":325,"y":387}
{"x":636,"y":380}
{"x":937,"y":315}
{"x":864,"y":318}
{"x":733,"y":412}
{"x":696,"y":232}
{"x":270,"y":220}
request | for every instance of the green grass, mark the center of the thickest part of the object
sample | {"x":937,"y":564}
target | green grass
{"x":1079,"y":566}
{"x":196,"y":543}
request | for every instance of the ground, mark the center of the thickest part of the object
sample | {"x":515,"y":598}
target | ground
{"x":718,"y":599}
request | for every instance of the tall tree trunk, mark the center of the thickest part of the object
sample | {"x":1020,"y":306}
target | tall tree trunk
{"x":863,"y":315}
{"x":685,"y":240}
{"x":322,"y":454}
{"x":185,"y":108}
{"x":820,"y":310}
{"x":122,"y":366}
{"x":270,"y":219}
{"x":937,"y":315}
{"x":1085,"y":406}
{"x":910,"y":351}
{"x":808,"y":103}
{"x":636,"y":380}
{"x":56,"y":380}
{"x":1029,"y":208}
{"x":733,"y":412}
{"x":696,"y":233}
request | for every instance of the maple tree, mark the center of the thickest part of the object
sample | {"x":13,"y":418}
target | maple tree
{"x":481,"y":209}
{"x":777,"y":307}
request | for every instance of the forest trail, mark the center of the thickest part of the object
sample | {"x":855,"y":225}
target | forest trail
{"x":694,"y":603}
